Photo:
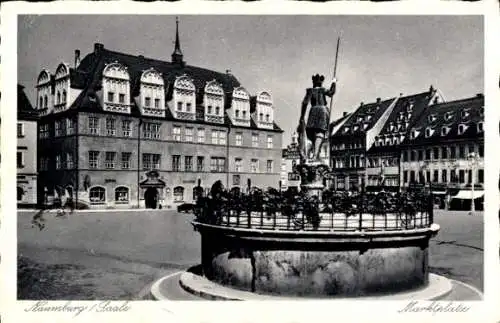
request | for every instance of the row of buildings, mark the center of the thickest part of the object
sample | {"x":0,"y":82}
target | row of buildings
{"x":405,"y":141}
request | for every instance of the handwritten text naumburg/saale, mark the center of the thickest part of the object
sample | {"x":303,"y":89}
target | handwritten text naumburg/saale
{"x":77,"y":309}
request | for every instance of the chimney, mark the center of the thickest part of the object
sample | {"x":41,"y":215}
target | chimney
{"x":228,"y":72}
{"x":480,"y":95}
{"x":361,"y":104}
{"x":98,"y":47}
{"x":344,"y":113}
{"x":432,"y":89}
{"x":379,"y":100}
{"x":77,"y":58}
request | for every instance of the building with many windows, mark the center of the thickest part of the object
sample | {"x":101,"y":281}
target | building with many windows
{"x":26,"y":157}
{"x":445,"y":148}
{"x":123,"y":130}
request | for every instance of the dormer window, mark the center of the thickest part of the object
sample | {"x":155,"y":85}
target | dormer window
{"x":151,"y":90}
{"x":264,"y":107}
{"x":396,"y":140}
{"x":448,"y":116}
{"x":365,"y":126}
{"x":184,"y":93}
{"x":356,"y":127}
{"x":414,"y":134}
{"x":391,"y":126}
{"x":410,"y":107}
{"x":445,"y":130}
{"x":388,"y":141}
{"x":408,"y":115}
{"x":429,"y":132}
{"x":462,"y":128}
{"x":480,"y":126}
{"x":240,"y":107}
{"x":432,"y":118}
{"x":213,"y":100}
{"x":481,"y":111}
{"x":360,"y":119}
{"x":368,"y":118}
{"x":346,"y":129}
{"x":464,"y":114}
{"x":380,"y":142}
{"x":115,"y":80}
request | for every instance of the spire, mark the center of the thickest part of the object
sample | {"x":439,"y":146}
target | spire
{"x":177,"y":54}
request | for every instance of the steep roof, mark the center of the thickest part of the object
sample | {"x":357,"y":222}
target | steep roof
{"x":25,"y":110}
{"x":364,"y":118}
{"x":449,"y":115}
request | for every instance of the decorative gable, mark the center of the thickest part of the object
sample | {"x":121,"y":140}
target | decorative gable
{"x":152,"y":93}
{"x":213,"y":100}
{"x":184,"y":98}
{"x":240,"y":107}
{"x":116,"y":88}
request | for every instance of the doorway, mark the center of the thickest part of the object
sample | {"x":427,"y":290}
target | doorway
{"x":151,"y":198}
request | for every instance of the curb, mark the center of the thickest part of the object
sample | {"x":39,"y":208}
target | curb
{"x":97,"y":210}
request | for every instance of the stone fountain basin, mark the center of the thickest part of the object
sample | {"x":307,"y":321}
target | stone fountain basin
{"x":316,"y":263}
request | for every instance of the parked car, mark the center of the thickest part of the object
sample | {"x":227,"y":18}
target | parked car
{"x":185,"y":207}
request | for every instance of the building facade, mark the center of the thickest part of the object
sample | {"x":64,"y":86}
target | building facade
{"x":445,"y":149}
{"x":127,"y":131}
{"x":26,"y":155}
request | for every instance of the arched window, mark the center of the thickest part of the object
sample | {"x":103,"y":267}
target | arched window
{"x":97,"y":195}
{"x":45,"y":102}
{"x":261,"y":116}
{"x":267,"y":117}
{"x":178,"y":194}
{"x":41,"y":103}
{"x":64,"y":96}
{"x":20,"y":193}
{"x":58,"y":99}
{"x":121,"y":194}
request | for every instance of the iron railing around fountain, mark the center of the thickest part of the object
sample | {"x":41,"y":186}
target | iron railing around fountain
{"x":336,"y":211}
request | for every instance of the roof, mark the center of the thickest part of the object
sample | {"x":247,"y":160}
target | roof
{"x":367,"y":114}
{"x":468,"y":112}
{"x":88,"y":78}
{"x":25,"y":110}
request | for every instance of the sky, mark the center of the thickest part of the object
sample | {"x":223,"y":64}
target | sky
{"x":379,"y":56}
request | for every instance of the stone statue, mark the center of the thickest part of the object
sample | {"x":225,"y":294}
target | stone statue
{"x":316,"y":128}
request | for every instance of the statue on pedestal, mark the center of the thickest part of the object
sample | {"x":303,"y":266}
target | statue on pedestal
{"x":316,"y":128}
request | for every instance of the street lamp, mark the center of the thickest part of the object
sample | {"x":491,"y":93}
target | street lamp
{"x":472,"y":160}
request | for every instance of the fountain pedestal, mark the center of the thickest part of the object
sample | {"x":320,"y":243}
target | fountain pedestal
{"x":312,"y":176}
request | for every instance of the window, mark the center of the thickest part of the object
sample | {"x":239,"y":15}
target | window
{"x":412,"y":176}
{"x":461,"y":129}
{"x":94,"y":125}
{"x":427,"y":154}
{"x":413,"y":155}
{"x":93,"y":159}
{"x":20,"y":130}
{"x":121,"y":98}
{"x":147,"y":101}
{"x":41,"y":103}
{"x":267,"y":117}
{"x":126,"y":160}
{"x":469,"y":176}
{"x":97,"y":195}
{"x":461,"y":151}
{"x":45,"y":102}
{"x":151,"y":130}
{"x":480,"y":176}
{"x":109,"y":161}
{"x":58,"y":161}
{"x":444,"y":152}
{"x":121,"y":194}
{"x":237,"y":113}
{"x":20,"y":159}
{"x":261,"y":117}
{"x":44,"y":131}
{"x":215,"y":137}
{"x":453,"y":152}
{"x":126,"y":128}
{"x":209,"y":109}
{"x":435,"y":152}
{"x":150,"y":161}
{"x":111,"y":97}
{"x":188,"y":107}
{"x":44,"y":163}
{"x":222,"y":137}
{"x":453,"y":176}
{"x":217,"y":110}
{"x":110,"y":126}
{"x":188,"y":163}
{"x":176,"y":133}
{"x":444,"y":131}
{"x":239,"y":139}
{"x":70,"y":126}
{"x":176,"y":163}
{"x":200,"y":160}
{"x":179,"y":106}
{"x":420,"y":155}
{"x":179,"y":194}
{"x":201,"y":135}
{"x":254,"y":165}
{"x":269,"y":166}
{"x":481,"y":150}
{"x":461,"y":176}
{"x":444,"y":176}
{"x":217,"y":164}
{"x":58,"y":100}
{"x":157,"y":103}
{"x":269,"y":141}
{"x":238,"y":165}
{"x":69,"y":161}
{"x":405,"y":156}
{"x":428,"y":176}
{"x":480,"y":127}
{"x":471,"y":149}
{"x":188,"y":134}
{"x":255,"y":140}
{"x":58,"y":128}
{"x":244,"y":114}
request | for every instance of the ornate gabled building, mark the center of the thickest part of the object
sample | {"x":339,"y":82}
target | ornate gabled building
{"x":124,"y":130}
{"x":383,"y":156}
{"x":27,"y":118}
{"x":445,"y":147}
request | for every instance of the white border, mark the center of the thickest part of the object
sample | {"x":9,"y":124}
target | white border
{"x":340,"y":311}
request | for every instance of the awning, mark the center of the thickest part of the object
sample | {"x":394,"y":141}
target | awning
{"x":467,"y":195}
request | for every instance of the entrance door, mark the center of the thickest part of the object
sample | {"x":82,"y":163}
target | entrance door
{"x":151,"y":198}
